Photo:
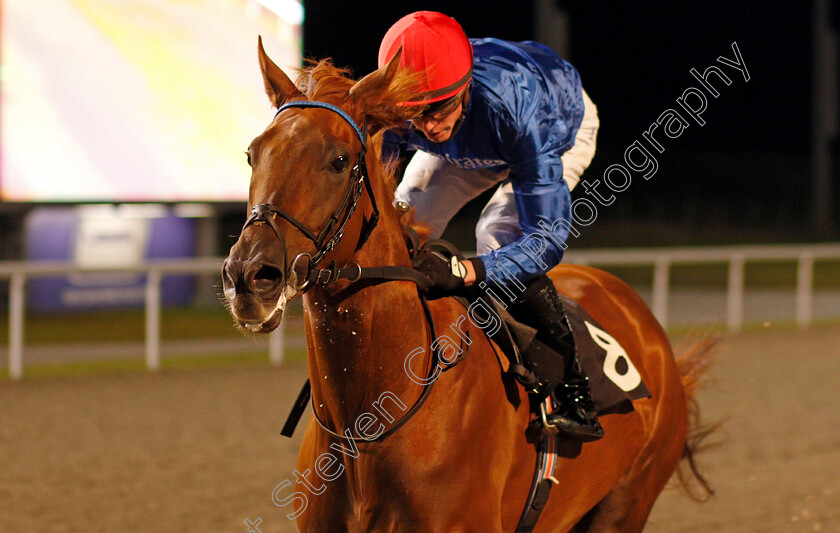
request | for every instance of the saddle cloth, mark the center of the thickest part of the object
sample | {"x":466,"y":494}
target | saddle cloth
{"x":614,"y":381}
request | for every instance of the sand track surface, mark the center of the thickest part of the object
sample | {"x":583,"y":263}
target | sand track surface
{"x":200,"y":450}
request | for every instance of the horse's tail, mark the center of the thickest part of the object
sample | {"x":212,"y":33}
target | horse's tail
{"x":693,"y":358}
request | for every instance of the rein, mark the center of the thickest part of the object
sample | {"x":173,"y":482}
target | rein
{"x":427,"y":389}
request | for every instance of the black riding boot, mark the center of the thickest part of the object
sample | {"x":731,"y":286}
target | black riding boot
{"x":540,"y":307}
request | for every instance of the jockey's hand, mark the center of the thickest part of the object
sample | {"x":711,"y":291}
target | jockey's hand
{"x":447,"y":275}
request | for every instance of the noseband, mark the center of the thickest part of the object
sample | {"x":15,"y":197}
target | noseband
{"x":333,"y":229}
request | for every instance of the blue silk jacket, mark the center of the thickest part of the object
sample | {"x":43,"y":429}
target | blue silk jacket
{"x":524,"y":111}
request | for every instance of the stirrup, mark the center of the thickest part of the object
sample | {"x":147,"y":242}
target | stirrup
{"x":547,"y":427}
{"x":552,"y":429}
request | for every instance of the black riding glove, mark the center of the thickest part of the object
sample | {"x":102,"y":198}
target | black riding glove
{"x":445,"y":275}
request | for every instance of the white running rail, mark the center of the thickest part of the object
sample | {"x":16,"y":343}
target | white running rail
{"x":18,"y":272}
{"x":736,"y":257}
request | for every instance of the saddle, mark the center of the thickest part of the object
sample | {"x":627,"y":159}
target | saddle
{"x":614,"y":382}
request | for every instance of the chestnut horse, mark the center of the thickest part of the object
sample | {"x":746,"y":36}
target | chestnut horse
{"x":462,"y":462}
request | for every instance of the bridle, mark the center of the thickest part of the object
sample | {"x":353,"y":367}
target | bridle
{"x":325,"y":240}
{"x":333,"y":229}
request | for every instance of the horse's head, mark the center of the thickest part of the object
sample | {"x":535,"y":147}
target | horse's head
{"x":307,"y":200}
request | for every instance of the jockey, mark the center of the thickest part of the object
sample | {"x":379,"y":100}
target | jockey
{"x":498,"y":112}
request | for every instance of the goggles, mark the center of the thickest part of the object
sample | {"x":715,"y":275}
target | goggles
{"x":440,"y":110}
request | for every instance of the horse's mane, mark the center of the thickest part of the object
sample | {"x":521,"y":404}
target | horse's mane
{"x":322,"y":80}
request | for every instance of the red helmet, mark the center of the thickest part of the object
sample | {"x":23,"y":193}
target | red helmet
{"x":434,"y":44}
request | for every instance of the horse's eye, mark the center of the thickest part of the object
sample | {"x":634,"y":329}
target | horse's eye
{"x":248,"y":155}
{"x":340,"y":163}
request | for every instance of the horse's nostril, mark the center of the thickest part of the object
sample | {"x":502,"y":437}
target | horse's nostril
{"x":267,"y":278}
{"x":229,"y":274}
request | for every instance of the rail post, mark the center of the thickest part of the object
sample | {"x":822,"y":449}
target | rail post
{"x":275,"y":345}
{"x":17,"y":293}
{"x":804,"y":289}
{"x":153,"y":282}
{"x":735,"y":293}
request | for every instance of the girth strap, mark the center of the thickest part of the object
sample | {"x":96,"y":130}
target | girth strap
{"x":541,"y":485}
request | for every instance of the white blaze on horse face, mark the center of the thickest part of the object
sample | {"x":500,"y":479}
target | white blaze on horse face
{"x":630,"y":379}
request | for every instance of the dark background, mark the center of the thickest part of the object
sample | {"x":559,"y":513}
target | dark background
{"x":743,"y":177}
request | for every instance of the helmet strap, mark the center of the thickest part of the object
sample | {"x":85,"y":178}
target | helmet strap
{"x":464,"y":104}
{"x":458,"y":124}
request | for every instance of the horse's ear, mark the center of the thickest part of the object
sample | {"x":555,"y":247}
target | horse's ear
{"x":278,"y":86}
{"x":379,"y":94}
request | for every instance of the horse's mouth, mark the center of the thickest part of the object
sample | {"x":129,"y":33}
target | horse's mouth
{"x":269,"y":323}
{"x":266,"y":326}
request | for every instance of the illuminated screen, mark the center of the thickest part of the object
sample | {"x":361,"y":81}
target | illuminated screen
{"x":136,"y":100}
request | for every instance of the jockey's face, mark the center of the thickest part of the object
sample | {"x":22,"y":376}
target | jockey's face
{"x":439,"y":124}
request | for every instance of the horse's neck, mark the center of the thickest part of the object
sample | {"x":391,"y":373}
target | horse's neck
{"x":357,"y":346}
